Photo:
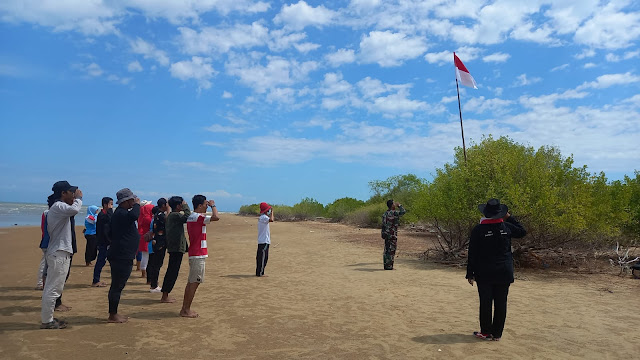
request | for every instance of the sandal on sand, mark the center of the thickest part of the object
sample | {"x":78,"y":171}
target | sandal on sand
{"x":482,"y":336}
{"x":99,"y":284}
{"x":54,"y":324}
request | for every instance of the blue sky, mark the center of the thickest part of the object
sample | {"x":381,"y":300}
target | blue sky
{"x":250,"y":101}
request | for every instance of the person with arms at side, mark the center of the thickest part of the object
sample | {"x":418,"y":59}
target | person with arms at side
{"x":103,"y":233}
{"x":124,"y":245}
{"x":66,"y":202}
{"x":264,"y":238}
{"x":390,"y":222}
{"x":44,"y":243}
{"x":159,"y":244}
{"x":176,"y":244}
{"x":198,"y":252}
{"x":490,"y":265}
{"x":91,"y":251}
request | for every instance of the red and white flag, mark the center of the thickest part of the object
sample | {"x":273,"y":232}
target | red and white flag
{"x":462,"y":74}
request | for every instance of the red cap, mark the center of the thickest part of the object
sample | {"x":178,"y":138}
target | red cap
{"x":264,"y":207}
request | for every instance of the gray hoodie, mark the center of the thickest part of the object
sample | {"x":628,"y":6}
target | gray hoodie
{"x":59,"y":225}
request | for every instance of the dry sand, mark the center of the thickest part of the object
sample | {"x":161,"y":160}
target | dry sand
{"x":326,"y":297}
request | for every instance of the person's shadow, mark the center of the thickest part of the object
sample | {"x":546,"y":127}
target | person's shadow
{"x":445,"y":339}
{"x":238,"y":276}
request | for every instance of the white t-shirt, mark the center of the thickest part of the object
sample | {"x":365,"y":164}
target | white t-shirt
{"x":264,"y":234}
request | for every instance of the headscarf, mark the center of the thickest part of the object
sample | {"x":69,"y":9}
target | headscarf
{"x":144,"y":220}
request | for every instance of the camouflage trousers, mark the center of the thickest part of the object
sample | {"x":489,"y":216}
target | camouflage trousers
{"x":389,"y":253}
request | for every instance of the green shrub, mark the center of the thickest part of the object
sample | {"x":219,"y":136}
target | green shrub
{"x":253,"y":209}
{"x":282,"y":213}
{"x":308,"y":208}
{"x":340,"y":208}
{"x":367,"y":216}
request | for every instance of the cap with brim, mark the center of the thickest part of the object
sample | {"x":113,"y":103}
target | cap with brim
{"x":493,"y":209}
{"x":64,"y":185}
{"x":124,"y":195}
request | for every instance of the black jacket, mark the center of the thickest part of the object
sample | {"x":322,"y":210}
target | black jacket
{"x":490,"y":259}
{"x":124,"y":234}
{"x":103,"y":227}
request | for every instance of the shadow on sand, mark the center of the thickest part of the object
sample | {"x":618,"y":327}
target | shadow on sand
{"x":445,"y":339}
{"x":238,"y":276}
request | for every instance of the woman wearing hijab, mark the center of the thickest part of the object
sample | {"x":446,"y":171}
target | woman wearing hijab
{"x":91,"y":252}
{"x":144,"y":222}
{"x":490,"y":265}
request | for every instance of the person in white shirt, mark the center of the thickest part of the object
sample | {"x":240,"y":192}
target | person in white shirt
{"x":67,"y":201}
{"x":264,"y":238}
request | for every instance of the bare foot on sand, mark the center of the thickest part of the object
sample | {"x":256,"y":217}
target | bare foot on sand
{"x":63,"y":307}
{"x":117,"y":318}
{"x":99,"y":284}
{"x":167,"y":300}
{"x":89,"y":264}
{"x":188,"y":313}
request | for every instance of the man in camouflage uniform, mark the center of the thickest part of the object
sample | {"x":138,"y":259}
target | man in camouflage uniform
{"x":390,"y":221}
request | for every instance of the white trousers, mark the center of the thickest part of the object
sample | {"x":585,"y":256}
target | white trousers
{"x":57,"y":269}
{"x":145,"y":260}
{"x":43,"y":263}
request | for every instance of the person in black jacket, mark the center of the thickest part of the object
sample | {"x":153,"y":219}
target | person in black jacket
{"x":490,"y":265}
{"x":103,"y":226}
{"x":124,"y":245}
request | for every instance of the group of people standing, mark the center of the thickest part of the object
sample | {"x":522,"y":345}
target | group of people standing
{"x":120,"y":235}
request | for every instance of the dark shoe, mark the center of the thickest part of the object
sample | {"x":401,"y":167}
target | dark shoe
{"x":54,"y":324}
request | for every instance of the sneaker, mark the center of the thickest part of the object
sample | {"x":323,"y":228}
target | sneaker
{"x":495,"y":339}
{"x":156,"y":290}
{"x":482,"y":336}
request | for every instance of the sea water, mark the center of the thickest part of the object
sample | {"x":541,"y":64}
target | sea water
{"x":21,"y":214}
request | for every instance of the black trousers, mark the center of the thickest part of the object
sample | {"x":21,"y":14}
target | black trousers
{"x":120,"y":272}
{"x":155,"y":263}
{"x":170,"y":277}
{"x":91,"y":251}
{"x":493,"y":296}
{"x":262,"y":256}
{"x":59,"y":299}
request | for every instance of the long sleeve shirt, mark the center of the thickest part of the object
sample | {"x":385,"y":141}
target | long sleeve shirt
{"x":490,"y":259}
{"x":124,"y":234}
{"x":59,"y":226}
{"x":103,"y":227}
{"x":174,"y":226}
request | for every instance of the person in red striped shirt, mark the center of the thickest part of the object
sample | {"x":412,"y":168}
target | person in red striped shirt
{"x":197,"y":229}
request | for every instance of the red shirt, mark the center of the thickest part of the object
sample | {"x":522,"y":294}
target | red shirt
{"x":197,"y":229}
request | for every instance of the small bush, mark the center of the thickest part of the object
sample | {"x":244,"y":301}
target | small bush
{"x":283,"y":213}
{"x":308,"y":208}
{"x":339,"y":209}
{"x":253,"y":209}
{"x":367,"y":216}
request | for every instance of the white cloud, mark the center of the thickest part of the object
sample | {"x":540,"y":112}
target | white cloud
{"x":276,"y":72}
{"x":342,"y":56}
{"x":390,"y":49}
{"x":134,"y":66}
{"x":149,"y":51}
{"x":91,"y":18}
{"x":560,"y":67}
{"x":217,"y":128}
{"x":213,"y":143}
{"x":608,"y":80}
{"x":334,"y":84}
{"x":610,"y":57}
{"x":589,"y":65}
{"x":306,"y":47}
{"x":227,"y":95}
{"x":585,"y":54}
{"x":496,"y":57}
{"x":298,"y":16}
{"x":221,"y":40}
{"x":465,"y":54}
{"x":94,"y":70}
{"x":118,"y":79}
{"x":610,"y":28}
{"x":323,"y":123}
{"x":523,"y":80}
{"x":197,"y":68}
{"x":481,"y":105}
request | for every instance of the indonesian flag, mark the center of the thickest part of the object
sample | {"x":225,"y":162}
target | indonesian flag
{"x":462,"y":74}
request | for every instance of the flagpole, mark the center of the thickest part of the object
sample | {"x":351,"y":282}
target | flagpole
{"x":464,"y":149}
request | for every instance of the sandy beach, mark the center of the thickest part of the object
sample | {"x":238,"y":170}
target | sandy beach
{"x":326,"y":297}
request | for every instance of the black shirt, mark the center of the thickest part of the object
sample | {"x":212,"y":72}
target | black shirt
{"x":124,"y":234}
{"x":103,"y":225}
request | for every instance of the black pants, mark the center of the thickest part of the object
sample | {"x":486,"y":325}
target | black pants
{"x":496,"y":294}
{"x":155,"y":263}
{"x":262,"y":256}
{"x":91,"y":252}
{"x":59,"y":299}
{"x":120,"y":272}
{"x":170,"y":277}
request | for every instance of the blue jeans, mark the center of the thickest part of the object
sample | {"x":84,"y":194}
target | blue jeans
{"x":102,"y":260}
